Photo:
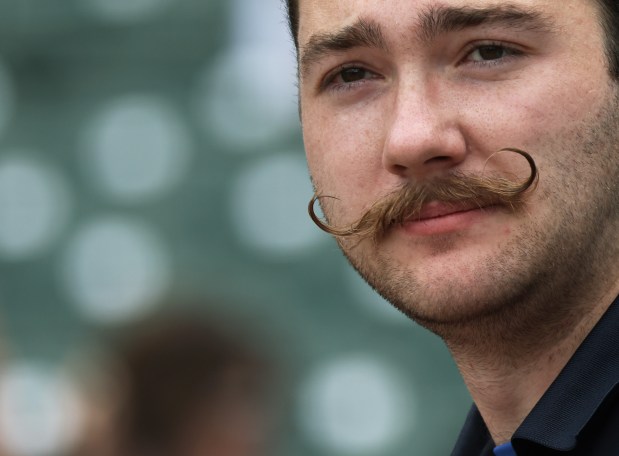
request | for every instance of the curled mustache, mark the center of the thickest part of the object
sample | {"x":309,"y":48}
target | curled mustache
{"x":407,"y":202}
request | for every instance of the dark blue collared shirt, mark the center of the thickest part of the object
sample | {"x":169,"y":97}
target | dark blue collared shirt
{"x":579,"y":413}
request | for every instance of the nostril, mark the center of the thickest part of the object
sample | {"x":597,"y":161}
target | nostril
{"x":439,"y":159}
{"x":399,"y":169}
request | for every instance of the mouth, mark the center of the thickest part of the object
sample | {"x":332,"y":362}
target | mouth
{"x":442,"y":218}
{"x":437,"y":209}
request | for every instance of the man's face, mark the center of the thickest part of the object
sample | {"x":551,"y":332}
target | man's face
{"x":408,"y":91}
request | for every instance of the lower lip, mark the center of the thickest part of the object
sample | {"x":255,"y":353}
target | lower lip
{"x":449,"y":223}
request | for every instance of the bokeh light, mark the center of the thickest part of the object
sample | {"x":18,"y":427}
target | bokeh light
{"x":39,"y":410}
{"x":115,"y":269}
{"x":269,"y":206}
{"x":258,"y":65}
{"x":263,"y":22}
{"x":34,"y":205}
{"x":248,"y":72}
{"x":355,"y":405}
{"x":136,"y":148}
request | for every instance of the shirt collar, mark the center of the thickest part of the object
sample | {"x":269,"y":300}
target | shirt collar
{"x":474,"y":437}
{"x":580,"y":389}
{"x":570,"y":402}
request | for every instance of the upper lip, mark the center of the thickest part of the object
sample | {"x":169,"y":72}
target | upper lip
{"x":437,"y":209}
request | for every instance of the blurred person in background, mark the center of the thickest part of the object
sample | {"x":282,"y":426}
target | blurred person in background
{"x":181,"y":386}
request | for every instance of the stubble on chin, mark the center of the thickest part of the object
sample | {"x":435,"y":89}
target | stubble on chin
{"x":478,"y":307}
{"x":444,"y":292}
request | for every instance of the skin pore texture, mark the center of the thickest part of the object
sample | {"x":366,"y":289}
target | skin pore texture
{"x":399,"y":91}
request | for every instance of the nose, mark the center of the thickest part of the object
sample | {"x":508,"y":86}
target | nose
{"x":423,"y":137}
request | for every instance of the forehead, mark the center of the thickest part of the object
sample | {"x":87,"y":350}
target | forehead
{"x":324,"y":16}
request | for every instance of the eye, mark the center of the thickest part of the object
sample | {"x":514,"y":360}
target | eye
{"x":488,"y":52}
{"x":348,"y":77}
{"x":491,"y":52}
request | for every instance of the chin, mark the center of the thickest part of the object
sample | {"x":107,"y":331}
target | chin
{"x":449,"y":286}
{"x":451,"y":304}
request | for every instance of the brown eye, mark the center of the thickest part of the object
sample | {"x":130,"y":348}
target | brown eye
{"x":353,"y":74}
{"x":349,"y":77}
{"x":490,"y":52}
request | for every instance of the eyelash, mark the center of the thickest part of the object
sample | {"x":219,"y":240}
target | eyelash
{"x":329,"y":83}
{"x":510,"y":52}
{"x":329,"y":80}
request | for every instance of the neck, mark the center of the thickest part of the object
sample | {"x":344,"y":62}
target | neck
{"x":512,"y":364}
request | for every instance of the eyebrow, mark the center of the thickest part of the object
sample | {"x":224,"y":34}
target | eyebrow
{"x":432,"y":23}
{"x":437,"y":21}
{"x":363,"y":33}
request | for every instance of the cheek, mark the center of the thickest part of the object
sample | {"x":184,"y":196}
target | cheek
{"x":542,"y":105}
{"x":344,"y":151}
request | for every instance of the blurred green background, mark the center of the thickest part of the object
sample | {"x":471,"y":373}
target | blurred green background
{"x":151,"y":160}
